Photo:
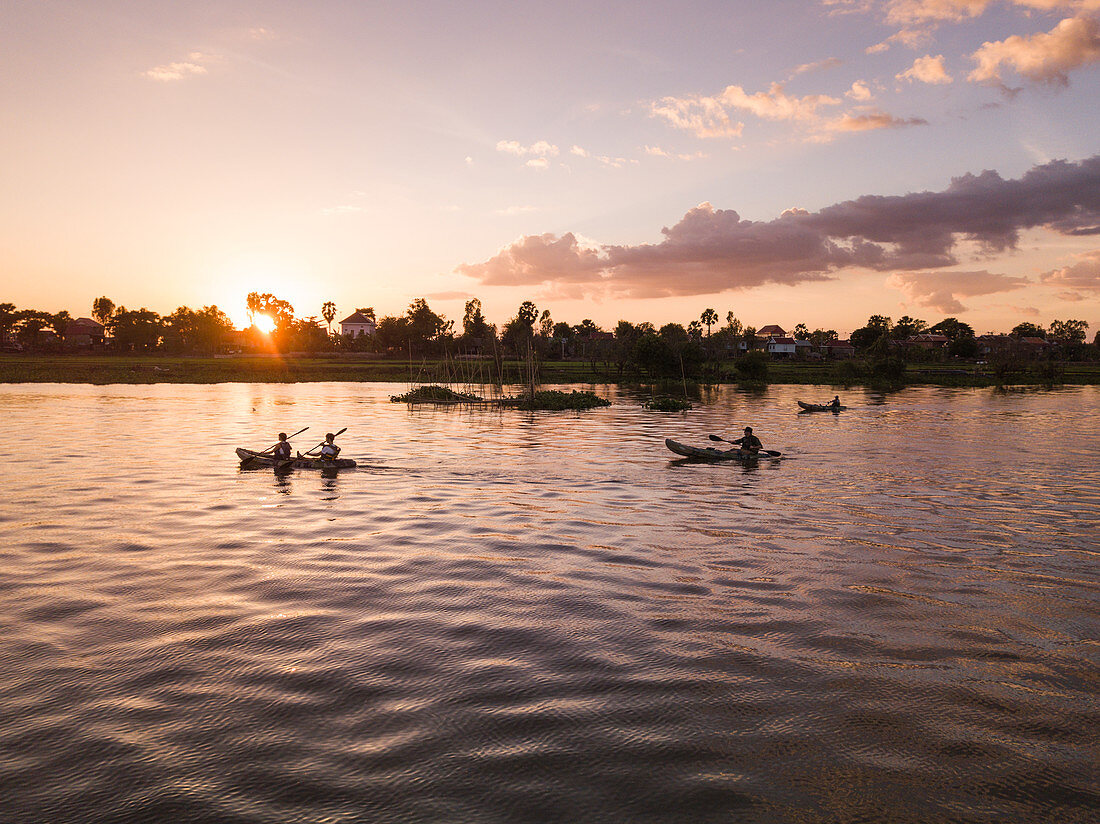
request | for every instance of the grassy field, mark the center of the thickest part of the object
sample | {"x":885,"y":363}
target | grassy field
{"x":105,"y":369}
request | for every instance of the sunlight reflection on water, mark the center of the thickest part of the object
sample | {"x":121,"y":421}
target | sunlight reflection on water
{"x":504,"y":616}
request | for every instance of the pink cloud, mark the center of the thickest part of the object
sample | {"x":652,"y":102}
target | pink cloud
{"x":942,"y":290}
{"x":1085,"y":274}
{"x":927,"y":69}
{"x":1044,"y":57}
{"x":712,"y":250}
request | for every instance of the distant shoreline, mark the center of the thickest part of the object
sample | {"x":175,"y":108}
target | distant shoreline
{"x":146,"y":369}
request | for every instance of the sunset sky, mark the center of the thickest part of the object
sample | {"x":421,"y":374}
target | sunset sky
{"x":793,"y":162}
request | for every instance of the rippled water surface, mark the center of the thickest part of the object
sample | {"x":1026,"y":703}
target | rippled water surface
{"x":513,"y":617}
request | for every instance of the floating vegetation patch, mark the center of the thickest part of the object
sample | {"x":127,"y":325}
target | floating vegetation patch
{"x":667,"y":405}
{"x":553,"y":400}
{"x":433,"y":393}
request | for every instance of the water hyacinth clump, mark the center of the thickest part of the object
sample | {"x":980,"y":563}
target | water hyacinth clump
{"x":433,"y":393}
{"x":553,"y":400}
{"x":667,"y":405}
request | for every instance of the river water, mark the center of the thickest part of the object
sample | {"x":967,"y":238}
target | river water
{"x":515,"y":617}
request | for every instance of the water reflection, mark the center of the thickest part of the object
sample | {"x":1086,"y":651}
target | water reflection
{"x":527,"y":617}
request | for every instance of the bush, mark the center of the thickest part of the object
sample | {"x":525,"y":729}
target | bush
{"x":847,"y":372}
{"x":753,"y":366}
{"x":890,"y":370}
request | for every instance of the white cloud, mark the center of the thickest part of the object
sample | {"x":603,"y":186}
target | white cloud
{"x":170,"y":72}
{"x":540,"y":148}
{"x":927,"y":69}
{"x":538,"y":163}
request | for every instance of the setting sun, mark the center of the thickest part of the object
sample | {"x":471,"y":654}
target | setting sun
{"x":265,"y":323}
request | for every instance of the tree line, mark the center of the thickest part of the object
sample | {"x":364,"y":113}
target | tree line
{"x":639,"y":350}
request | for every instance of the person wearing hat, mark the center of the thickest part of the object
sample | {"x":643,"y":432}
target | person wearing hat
{"x":749,"y":443}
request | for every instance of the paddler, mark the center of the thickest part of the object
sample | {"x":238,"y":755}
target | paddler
{"x":835,"y":402}
{"x":329,"y":449}
{"x":749,"y":442}
{"x":282,"y":449}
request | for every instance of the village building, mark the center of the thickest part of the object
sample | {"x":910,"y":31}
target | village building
{"x":838,"y":349}
{"x":771,"y":331}
{"x":927,"y":340}
{"x":781,"y":347}
{"x":84,"y":332}
{"x":358,"y":325}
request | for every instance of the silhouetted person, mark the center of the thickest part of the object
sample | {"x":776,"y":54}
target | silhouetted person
{"x":749,"y":443}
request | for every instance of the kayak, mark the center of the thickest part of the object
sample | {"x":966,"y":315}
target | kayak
{"x":820,"y":407}
{"x":260,"y":459}
{"x":709,"y":453}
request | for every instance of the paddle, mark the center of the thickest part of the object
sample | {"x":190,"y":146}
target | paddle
{"x":322,"y":443}
{"x":771,"y":453}
{"x":251,"y":458}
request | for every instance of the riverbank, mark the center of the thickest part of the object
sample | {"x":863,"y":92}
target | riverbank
{"x":143,"y":369}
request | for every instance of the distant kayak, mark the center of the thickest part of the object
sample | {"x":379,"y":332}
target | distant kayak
{"x":260,"y":459}
{"x":820,"y":407}
{"x":709,"y":453}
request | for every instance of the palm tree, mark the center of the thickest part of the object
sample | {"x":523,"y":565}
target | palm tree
{"x":709,"y":318}
{"x":328,"y":312}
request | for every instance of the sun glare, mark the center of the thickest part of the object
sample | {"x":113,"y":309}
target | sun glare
{"x":264,"y":323}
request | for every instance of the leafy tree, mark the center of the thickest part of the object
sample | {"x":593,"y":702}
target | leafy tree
{"x":328,"y":312}
{"x":519,"y":331}
{"x":1028,"y":330}
{"x":866,"y":336}
{"x":546,"y":324}
{"x":953,"y":328}
{"x":907,"y":327}
{"x":278,"y":310}
{"x":695,"y":330}
{"x":708,"y":319}
{"x":137,"y":329}
{"x":8,"y":316}
{"x":189,"y":331}
{"x":1067,"y":331}
{"x":748,"y":334}
{"x":733,"y":325}
{"x":28,"y":323}
{"x":424,"y":324}
{"x":819,"y":337}
{"x":801,"y":332}
{"x":102,"y":309}
{"x":59,"y":322}
{"x":368,"y":313}
{"x":392,"y":333}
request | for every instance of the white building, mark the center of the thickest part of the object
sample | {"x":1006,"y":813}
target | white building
{"x":783,"y":347}
{"x":357,"y":324}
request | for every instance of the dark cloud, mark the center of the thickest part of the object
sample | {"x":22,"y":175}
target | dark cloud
{"x":713,"y":250}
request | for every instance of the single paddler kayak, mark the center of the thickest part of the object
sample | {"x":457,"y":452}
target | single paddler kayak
{"x":709,"y":453}
{"x":820,"y":407}
{"x":259,"y":459}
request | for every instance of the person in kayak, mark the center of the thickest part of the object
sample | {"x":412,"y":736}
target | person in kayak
{"x":749,"y":443}
{"x":282,"y":449}
{"x":835,"y":402}
{"x":329,"y":449}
